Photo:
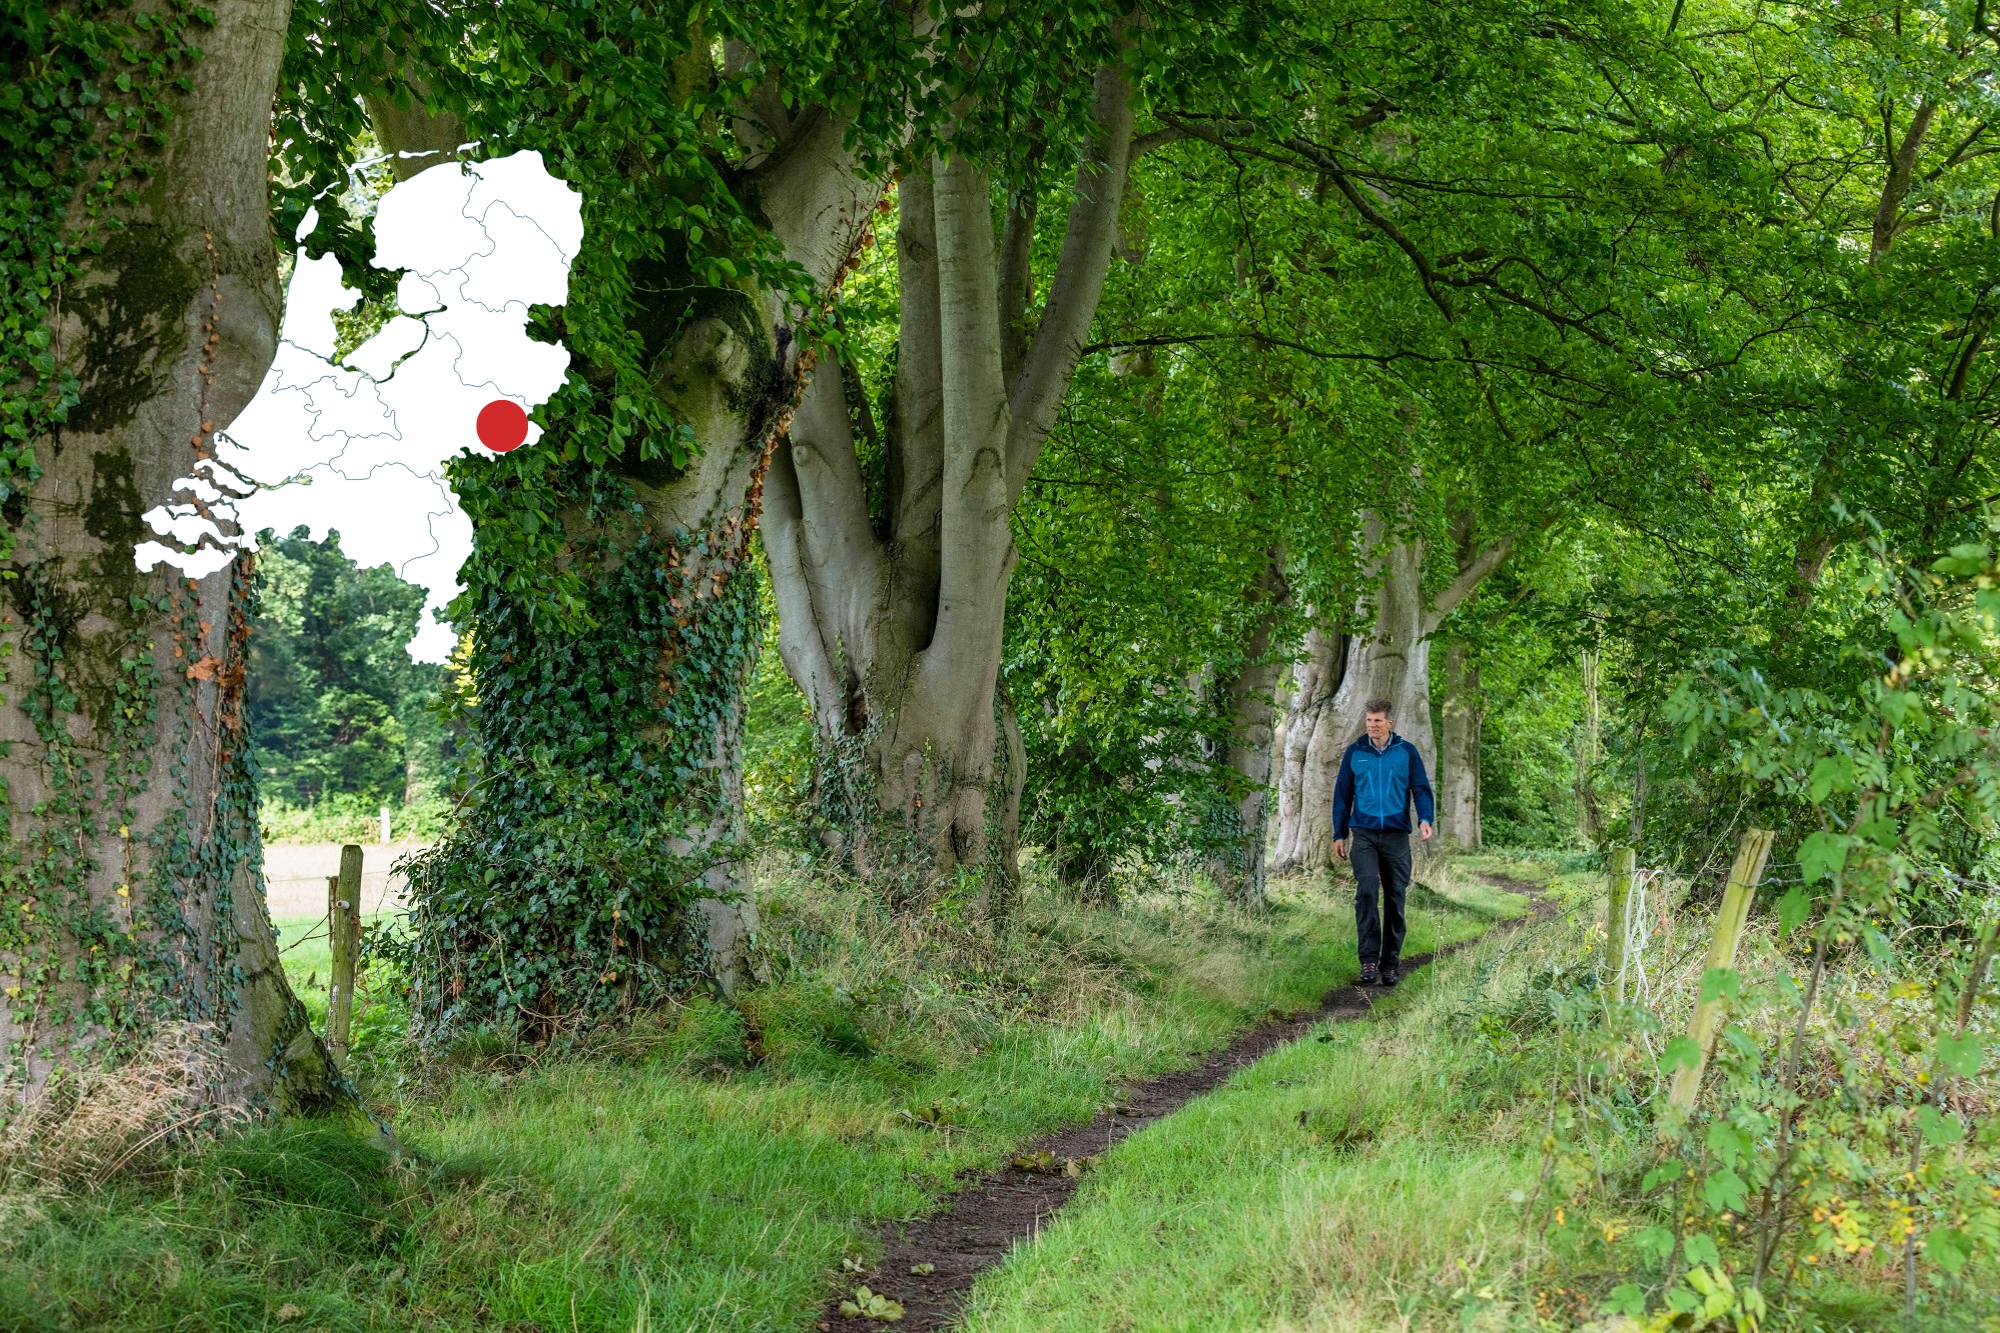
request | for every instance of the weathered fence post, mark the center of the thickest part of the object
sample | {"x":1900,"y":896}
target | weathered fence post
{"x":344,"y":929}
{"x":1618,"y":923}
{"x":1751,"y":854}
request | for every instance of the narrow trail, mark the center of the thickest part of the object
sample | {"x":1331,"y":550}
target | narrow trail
{"x":1001,"y":1209}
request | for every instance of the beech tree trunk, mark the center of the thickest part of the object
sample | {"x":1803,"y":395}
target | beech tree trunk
{"x":735,"y":373}
{"x":1316,"y":684}
{"x":1252,"y":695}
{"x":1390,"y":661}
{"x":1458,"y":760}
{"x":895,"y":637}
{"x":131,"y":885}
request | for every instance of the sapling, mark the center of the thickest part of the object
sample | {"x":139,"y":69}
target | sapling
{"x":1941,"y":1073}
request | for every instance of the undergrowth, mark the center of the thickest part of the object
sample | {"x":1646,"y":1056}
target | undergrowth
{"x":710,"y":1165}
{"x":1465,"y":1160}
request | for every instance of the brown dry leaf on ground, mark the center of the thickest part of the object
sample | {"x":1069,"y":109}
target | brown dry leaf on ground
{"x":871,"y":1305}
{"x":1046,"y":1163}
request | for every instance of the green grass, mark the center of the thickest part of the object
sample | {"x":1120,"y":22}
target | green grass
{"x":1374,"y":1177}
{"x":1331,"y":1185}
{"x":712,"y":1166}
{"x":308,"y":958}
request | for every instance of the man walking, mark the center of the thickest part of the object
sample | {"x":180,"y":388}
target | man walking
{"x":1379,"y":774}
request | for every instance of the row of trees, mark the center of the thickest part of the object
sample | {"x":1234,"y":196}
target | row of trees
{"x":1108,"y":385}
{"x":339,"y":714}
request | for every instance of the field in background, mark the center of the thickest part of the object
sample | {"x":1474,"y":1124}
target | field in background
{"x":295,"y":876}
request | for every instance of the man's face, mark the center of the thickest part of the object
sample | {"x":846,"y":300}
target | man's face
{"x":1378,"y":727}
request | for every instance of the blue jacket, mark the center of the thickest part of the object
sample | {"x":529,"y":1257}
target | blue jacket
{"x":1373,"y":790}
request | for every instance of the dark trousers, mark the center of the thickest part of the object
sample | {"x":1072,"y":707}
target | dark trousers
{"x":1381,"y":860}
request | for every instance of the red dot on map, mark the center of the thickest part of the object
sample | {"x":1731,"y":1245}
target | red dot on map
{"x":502,"y":425}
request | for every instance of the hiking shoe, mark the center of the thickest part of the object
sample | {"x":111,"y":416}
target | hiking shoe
{"x":1391,"y":975}
{"x":1368,"y":974}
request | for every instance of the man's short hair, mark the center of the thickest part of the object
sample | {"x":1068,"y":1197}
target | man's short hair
{"x":1386,"y":707}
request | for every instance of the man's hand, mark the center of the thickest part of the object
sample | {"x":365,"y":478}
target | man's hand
{"x":1340,"y":849}
{"x":1425,"y":831}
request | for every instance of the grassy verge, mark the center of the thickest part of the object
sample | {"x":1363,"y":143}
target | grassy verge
{"x":1387,"y":1174}
{"x":710,"y":1167}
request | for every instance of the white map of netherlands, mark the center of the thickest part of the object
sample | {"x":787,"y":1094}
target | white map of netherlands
{"x":359,"y":446}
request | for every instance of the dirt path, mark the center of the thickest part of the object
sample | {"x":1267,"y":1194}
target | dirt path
{"x":991,"y":1215}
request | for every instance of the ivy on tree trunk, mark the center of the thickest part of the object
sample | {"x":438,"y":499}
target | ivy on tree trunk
{"x":131,"y":887}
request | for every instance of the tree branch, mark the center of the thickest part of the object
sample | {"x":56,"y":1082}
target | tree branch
{"x":977,"y":537}
{"x":1037,"y":393}
{"x":1262,"y":340}
{"x":1896,"y":187}
{"x":1376,"y":219}
{"x":1468,"y":580}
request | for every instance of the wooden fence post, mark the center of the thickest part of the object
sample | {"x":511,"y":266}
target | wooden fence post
{"x":1618,"y":923}
{"x":1751,"y":854}
{"x":344,"y":928}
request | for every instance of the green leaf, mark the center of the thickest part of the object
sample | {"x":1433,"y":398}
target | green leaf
{"x":1822,"y":855}
{"x":1656,"y":1243}
{"x":1793,"y":909}
{"x":1948,"y":1248}
{"x":1680,"y":1053}
{"x":1720,"y":982}
{"x":1831,"y":774}
{"x":1938,"y":1128}
{"x":1728,"y":1141}
{"x":1628,"y":1299}
{"x":1725,"y":1192}
{"x":1961,"y":1055}
{"x":1661,"y":1174}
{"x":1700,"y":1249}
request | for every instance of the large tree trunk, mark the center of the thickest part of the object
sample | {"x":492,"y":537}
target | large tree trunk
{"x":734,"y":372}
{"x":1317,"y":681}
{"x":1458,"y":760}
{"x":895,"y":639}
{"x":1390,"y":661}
{"x":1251,"y":692}
{"x":131,"y":886}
